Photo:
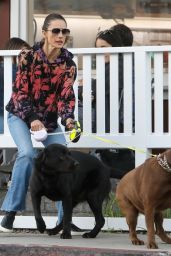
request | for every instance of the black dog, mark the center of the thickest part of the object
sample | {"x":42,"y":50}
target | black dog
{"x":73,"y":177}
{"x":120,"y":161}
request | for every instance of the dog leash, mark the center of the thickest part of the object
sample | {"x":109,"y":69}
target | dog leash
{"x":75,"y":134}
{"x":117,"y":143}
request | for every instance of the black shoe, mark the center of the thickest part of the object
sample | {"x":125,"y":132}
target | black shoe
{"x":7,"y":222}
{"x":75,"y":228}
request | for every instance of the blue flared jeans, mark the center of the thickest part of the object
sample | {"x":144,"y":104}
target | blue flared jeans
{"x":16,"y":196}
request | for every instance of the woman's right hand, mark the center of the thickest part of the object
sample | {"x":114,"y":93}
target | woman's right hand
{"x":37,"y":125}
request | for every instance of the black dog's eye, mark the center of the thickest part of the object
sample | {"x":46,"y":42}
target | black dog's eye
{"x":63,"y":155}
{"x":62,"y":158}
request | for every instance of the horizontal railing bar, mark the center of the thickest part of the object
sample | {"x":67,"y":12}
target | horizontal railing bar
{"x":93,"y":50}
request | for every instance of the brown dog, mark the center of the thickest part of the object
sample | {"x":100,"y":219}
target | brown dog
{"x":147,"y":189}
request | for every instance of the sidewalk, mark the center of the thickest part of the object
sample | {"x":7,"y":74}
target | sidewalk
{"x":28,"y":243}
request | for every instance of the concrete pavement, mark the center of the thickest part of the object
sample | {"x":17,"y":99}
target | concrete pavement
{"x":118,"y":242}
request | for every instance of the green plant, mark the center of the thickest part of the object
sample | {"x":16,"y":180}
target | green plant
{"x":167,"y":214}
{"x":111,"y":208}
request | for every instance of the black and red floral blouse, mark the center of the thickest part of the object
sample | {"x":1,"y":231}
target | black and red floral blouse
{"x":43,"y":90}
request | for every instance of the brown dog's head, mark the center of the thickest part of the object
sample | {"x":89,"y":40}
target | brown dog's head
{"x":55,"y":158}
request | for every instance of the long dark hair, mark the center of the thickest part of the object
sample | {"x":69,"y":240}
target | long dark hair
{"x":111,"y":37}
{"x":51,"y":17}
{"x":16,"y":43}
{"x":125,"y":33}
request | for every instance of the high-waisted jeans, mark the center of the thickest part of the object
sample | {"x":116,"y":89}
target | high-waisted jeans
{"x":16,"y":195}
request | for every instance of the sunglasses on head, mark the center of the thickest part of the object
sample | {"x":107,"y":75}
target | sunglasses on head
{"x":104,"y":32}
{"x":65,"y":31}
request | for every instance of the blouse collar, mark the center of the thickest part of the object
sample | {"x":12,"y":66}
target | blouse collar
{"x":62,"y":58}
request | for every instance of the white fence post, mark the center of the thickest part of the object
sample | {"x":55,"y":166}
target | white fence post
{"x":169,"y":93}
{"x":114,"y":94}
{"x":87,"y":110}
{"x":158,"y":93}
{"x":128,"y":92}
{"x":142,"y":105}
{"x":100,"y":93}
{"x":7,"y":86}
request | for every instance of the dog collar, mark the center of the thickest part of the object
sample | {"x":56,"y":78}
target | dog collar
{"x":163,"y":163}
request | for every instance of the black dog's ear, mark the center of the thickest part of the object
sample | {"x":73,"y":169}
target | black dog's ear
{"x":40,"y":159}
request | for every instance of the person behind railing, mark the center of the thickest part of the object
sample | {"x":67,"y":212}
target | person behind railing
{"x":110,"y":38}
{"x":106,"y":38}
{"x":14,"y":43}
{"x":42,"y":91}
{"x":114,"y":37}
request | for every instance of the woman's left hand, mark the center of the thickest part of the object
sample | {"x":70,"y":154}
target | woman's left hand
{"x":74,"y":128}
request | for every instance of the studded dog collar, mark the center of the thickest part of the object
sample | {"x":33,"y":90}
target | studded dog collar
{"x":163,"y":163}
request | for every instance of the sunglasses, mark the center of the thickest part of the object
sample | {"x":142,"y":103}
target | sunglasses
{"x":64,"y":31}
{"x":107,"y":31}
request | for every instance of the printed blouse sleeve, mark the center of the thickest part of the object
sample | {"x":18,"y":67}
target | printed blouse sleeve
{"x":22,"y":86}
{"x":66,"y":99}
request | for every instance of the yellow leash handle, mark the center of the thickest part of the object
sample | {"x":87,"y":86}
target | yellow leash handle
{"x":75,"y":132}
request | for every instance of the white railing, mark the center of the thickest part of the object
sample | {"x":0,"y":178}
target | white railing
{"x":141,"y":66}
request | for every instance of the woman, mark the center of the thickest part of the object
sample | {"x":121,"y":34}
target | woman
{"x":42,"y":91}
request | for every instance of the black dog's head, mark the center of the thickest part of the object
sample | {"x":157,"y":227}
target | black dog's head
{"x":55,"y":158}
{"x":121,"y":161}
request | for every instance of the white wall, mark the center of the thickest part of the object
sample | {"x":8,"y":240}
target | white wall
{"x":21,"y":19}
{"x":84,"y":28}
